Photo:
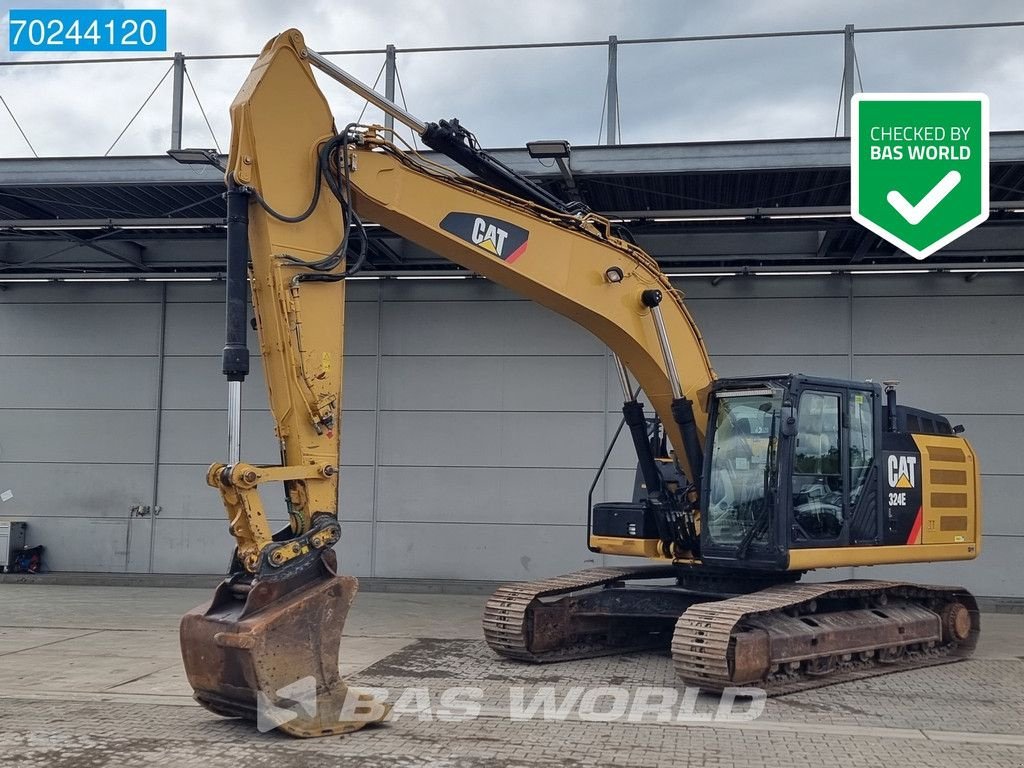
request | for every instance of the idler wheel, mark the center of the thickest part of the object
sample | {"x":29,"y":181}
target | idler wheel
{"x":956,"y":623}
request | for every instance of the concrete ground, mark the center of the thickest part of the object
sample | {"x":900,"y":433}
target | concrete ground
{"x":91,"y":676}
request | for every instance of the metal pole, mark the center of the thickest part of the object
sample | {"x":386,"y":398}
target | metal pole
{"x":177,"y":96}
{"x":358,"y":86}
{"x":666,"y":352}
{"x":612,"y":106}
{"x":234,"y":421}
{"x":849,"y":68}
{"x":390,"y":67}
{"x":627,"y":389}
{"x":651,"y":299}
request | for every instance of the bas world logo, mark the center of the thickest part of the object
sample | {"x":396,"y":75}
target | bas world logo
{"x":645,"y":704}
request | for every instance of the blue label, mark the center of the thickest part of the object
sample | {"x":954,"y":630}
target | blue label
{"x":42,"y":29}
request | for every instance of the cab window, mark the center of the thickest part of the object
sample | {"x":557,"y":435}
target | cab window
{"x":818,"y":498}
{"x":862,"y":451}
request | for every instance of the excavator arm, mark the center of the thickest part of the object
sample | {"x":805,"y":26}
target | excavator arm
{"x":298,"y":191}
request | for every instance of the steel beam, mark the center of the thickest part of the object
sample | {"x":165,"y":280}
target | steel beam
{"x":958,"y":266}
{"x":691,"y":157}
{"x":390,"y":69}
{"x":828,"y":237}
{"x":612,"y":91}
{"x":725,"y":214}
{"x":80,"y":241}
{"x":177,"y":98}
{"x":93,"y":171}
{"x":60,"y":225}
{"x":355,"y":85}
{"x":737,"y":214}
{"x":867,"y":240}
{"x":849,"y":67}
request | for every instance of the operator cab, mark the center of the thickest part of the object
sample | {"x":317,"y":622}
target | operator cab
{"x":797,"y":469}
{"x":792,"y":462}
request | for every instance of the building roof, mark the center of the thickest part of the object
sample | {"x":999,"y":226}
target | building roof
{"x":774,"y":204}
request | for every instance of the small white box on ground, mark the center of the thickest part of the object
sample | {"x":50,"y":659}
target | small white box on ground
{"x":12,"y":538}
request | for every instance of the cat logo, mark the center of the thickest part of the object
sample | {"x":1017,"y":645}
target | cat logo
{"x":498,"y":238}
{"x":902,"y":471}
{"x":490,"y":237}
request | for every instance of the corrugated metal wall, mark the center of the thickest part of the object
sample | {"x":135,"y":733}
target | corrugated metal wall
{"x":473,"y":419}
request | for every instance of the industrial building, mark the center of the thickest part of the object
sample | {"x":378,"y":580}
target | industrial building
{"x":473,"y":420}
{"x":592,"y":517}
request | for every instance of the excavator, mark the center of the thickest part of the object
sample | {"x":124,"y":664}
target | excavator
{"x":743,"y":486}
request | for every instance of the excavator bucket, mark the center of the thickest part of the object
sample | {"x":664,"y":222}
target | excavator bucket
{"x":268,"y":651}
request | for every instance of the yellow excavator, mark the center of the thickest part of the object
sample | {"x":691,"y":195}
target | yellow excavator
{"x":744,"y":484}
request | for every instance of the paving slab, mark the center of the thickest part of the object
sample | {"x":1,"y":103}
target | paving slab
{"x":126,"y":643}
{"x":130,"y":736}
{"x":46,"y":605}
{"x":49,"y":670}
{"x":91,"y":676}
{"x":169,"y":681}
{"x":1001,"y":636}
{"x":13,"y":639}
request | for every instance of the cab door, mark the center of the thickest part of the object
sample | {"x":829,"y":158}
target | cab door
{"x":834,"y":478}
{"x":819,"y":486}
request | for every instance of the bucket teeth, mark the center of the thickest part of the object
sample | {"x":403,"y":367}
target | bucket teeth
{"x":272,"y":657}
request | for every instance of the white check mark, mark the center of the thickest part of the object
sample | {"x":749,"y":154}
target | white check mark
{"x":916,"y":213}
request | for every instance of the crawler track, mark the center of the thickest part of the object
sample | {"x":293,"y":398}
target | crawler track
{"x":518,"y":625}
{"x":784,"y":638}
{"x":710,"y":643}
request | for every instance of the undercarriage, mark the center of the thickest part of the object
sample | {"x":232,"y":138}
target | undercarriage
{"x":732,"y":629}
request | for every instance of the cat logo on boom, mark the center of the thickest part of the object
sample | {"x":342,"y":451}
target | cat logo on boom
{"x":902,"y":471}
{"x":499,"y":238}
{"x":490,"y":237}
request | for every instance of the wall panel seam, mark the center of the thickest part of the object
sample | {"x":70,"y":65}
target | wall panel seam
{"x":161,"y":346}
{"x":376,"y":433}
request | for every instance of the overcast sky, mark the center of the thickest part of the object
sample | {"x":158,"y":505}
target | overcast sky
{"x":668,"y":92}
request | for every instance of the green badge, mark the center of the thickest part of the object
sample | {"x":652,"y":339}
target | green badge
{"x":919,"y":167}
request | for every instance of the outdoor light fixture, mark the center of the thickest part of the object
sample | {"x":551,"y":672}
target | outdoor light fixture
{"x":193,"y":156}
{"x":701,"y":274}
{"x":548,"y":149}
{"x":784,"y":273}
{"x":97,"y":279}
{"x":890,"y":271}
{"x":613,"y":275}
{"x":557,"y":150}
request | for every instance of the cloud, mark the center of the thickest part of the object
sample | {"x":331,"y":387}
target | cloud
{"x":713,"y":90}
